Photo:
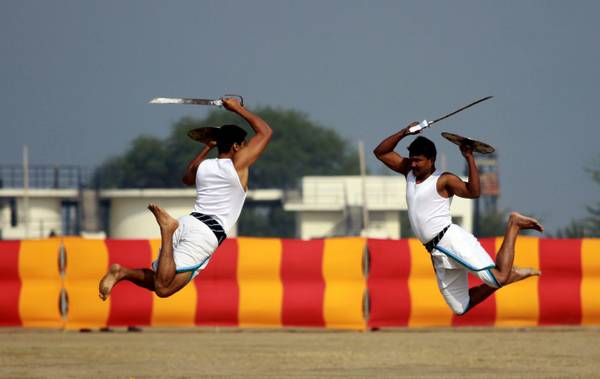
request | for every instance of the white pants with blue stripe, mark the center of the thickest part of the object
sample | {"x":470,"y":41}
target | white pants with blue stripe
{"x":193,"y":245}
{"x":457,"y":254}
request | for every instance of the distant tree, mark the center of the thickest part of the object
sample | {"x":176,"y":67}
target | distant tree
{"x":299,"y":147}
{"x":575,"y":229}
{"x":492,"y":224}
{"x":588,"y":226}
{"x":592,"y":221}
{"x":142,"y":166}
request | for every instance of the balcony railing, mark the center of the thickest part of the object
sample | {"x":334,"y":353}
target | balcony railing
{"x":45,"y":176}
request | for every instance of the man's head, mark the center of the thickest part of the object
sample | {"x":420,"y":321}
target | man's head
{"x":231,"y":138}
{"x":422,"y":155}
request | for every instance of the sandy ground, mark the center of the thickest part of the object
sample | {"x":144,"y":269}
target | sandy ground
{"x":226,"y":353}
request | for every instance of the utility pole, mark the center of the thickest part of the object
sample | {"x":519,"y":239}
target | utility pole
{"x":26,"y":190}
{"x":363,"y":175}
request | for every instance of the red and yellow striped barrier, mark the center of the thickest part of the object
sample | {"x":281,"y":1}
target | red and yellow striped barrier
{"x":253,"y":282}
{"x":30,"y":284}
{"x":250,"y":282}
{"x":403,"y":290}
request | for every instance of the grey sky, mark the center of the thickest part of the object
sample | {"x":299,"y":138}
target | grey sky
{"x":75,"y":76}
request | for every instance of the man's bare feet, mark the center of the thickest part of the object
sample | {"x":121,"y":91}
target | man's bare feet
{"x":109,"y":280}
{"x":524,"y":222}
{"x":520,"y":273}
{"x":527,"y":271}
{"x":166,"y":222}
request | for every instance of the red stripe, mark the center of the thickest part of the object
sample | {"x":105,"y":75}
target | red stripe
{"x":483,"y":314}
{"x":10,"y":283}
{"x":218,"y":289}
{"x":389,"y":272}
{"x":130,"y":305}
{"x":560,"y":283}
{"x":303,"y":283}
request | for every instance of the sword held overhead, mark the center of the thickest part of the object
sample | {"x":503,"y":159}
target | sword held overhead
{"x":425,"y":124}
{"x":191,"y":101}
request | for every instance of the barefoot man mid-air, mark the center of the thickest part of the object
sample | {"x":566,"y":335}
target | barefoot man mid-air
{"x":188,"y":243}
{"x":454,"y":251}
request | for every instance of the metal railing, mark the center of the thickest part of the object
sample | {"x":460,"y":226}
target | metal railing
{"x":45,"y":176}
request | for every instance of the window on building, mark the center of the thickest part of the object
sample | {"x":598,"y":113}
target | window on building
{"x":70,"y":218}
{"x":14,"y":219}
{"x":405,"y":229}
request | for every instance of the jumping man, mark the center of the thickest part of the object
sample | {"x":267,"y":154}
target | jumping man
{"x":454,"y":251}
{"x":188,"y":243}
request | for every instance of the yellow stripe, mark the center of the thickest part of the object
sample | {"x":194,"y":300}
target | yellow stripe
{"x":344,"y":283}
{"x":518,"y":304}
{"x":427,"y":305}
{"x":176,"y":310}
{"x":590,"y":284}
{"x":87,"y":262}
{"x":261,"y":291}
{"x":41,"y":283}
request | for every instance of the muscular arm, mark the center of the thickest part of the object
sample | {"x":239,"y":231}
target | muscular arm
{"x":189,"y":176}
{"x":385,"y":151}
{"x":453,"y":185}
{"x":257,"y":144}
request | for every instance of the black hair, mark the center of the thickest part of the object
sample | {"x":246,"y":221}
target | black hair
{"x":228,"y":135}
{"x":422,"y":146}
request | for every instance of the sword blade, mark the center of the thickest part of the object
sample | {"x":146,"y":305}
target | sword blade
{"x":461,"y":109}
{"x":177,"y":100}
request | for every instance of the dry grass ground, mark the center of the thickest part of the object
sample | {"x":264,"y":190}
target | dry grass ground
{"x":212,"y":353}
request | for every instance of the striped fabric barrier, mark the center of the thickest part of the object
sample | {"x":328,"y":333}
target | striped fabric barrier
{"x":250,"y":282}
{"x":30,"y":284}
{"x":87,"y":262}
{"x":403,"y":290}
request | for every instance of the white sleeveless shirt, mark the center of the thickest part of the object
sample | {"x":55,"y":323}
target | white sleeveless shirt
{"x":219,"y":192}
{"x":428,"y":212}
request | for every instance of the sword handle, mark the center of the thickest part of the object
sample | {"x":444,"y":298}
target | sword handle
{"x":234,"y":95}
{"x":417,"y":128}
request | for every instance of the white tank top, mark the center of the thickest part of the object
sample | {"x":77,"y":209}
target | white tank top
{"x":219,"y":191}
{"x":428,"y":212}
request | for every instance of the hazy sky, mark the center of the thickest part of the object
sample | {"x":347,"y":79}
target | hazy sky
{"x":75,"y":76}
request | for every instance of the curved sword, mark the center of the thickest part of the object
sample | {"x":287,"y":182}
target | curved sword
{"x":424,"y":124}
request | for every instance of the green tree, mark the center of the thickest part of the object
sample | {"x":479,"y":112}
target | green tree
{"x":588,"y":226}
{"x":575,"y":229}
{"x":492,"y":224}
{"x":592,"y":221}
{"x":299,"y":147}
{"x":132,"y":170}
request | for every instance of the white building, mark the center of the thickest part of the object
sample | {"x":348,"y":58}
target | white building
{"x":325,"y":206}
{"x":116,"y":213}
{"x":333,"y":205}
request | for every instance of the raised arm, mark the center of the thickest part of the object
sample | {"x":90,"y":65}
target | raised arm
{"x":385,"y":151}
{"x":189,"y":176}
{"x":453,"y":185}
{"x":257,"y":143}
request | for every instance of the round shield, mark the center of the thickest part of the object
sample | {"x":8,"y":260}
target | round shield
{"x":204,"y":135}
{"x":478,"y":146}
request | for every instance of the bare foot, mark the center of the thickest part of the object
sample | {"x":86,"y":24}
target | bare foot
{"x":166,"y":222}
{"x":527,"y":271}
{"x":524,"y":222}
{"x":520,"y":273}
{"x":109,"y":280}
